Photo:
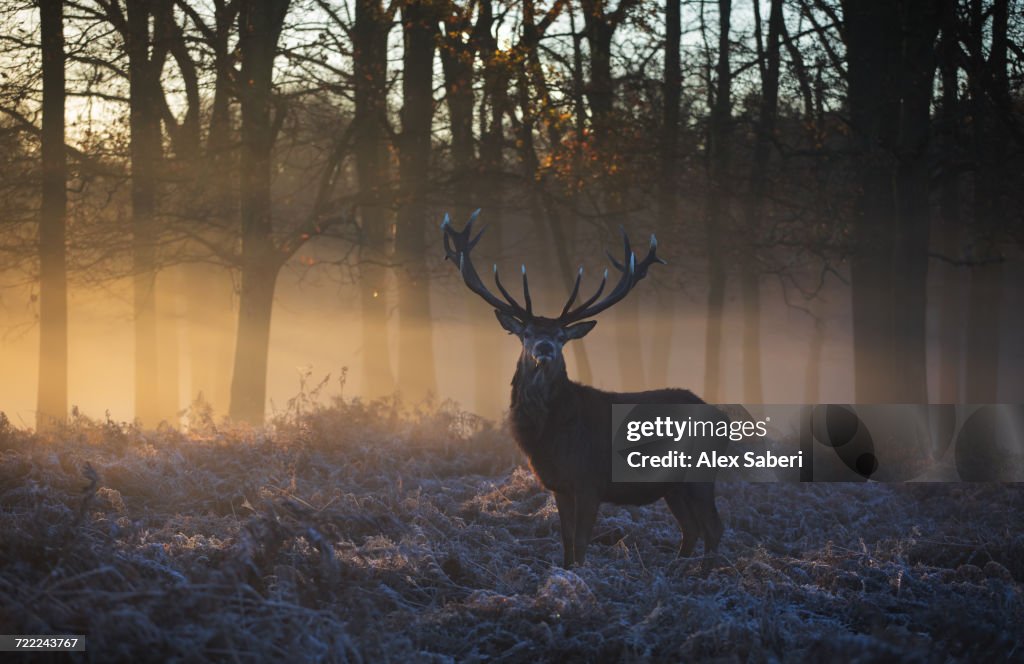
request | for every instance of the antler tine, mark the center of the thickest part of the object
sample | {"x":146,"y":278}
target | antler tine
{"x":574,"y":293}
{"x":526,"y":292}
{"x":573,"y":315}
{"x":615,"y":262}
{"x":627,"y":252}
{"x":506,"y":294}
{"x":457,"y":245}
{"x":651,"y":258}
{"x":480,"y":234}
{"x":446,"y":224}
{"x":469,"y":229}
{"x":632,"y":273}
{"x":464,"y":238}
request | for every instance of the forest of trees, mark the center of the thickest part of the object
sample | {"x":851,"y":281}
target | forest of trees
{"x":197,"y":147}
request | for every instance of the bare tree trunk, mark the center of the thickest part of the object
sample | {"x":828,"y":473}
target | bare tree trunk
{"x":750,"y":273}
{"x":370,"y":42}
{"x":417,"y":376}
{"x":909,"y":267}
{"x":260,"y":24}
{"x":871,"y":30}
{"x":629,"y":338}
{"x":378,"y":374}
{"x":985,"y":297}
{"x":951,"y":314}
{"x":750,"y":291}
{"x":718,"y":209}
{"x":812,"y":376}
{"x":542,"y":204}
{"x":208,"y":310}
{"x":542,"y":207}
{"x":185,"y":140}
{"x":668,"y":201}
{"x":891,"y":66}
{"x":990,"y":106}
{"x":209,"y":331}
{"x":52,"y":400}
{"x":491,"y":395}
{"x":814,"y":120}
{"x":249,"y":378}
{"x":209,"y":307}
{"x":600,"y":30}
{"x":168,"y":315}
{"x":579,"y":83}
{"x":146,"y":149}
{"x":457,"y":55}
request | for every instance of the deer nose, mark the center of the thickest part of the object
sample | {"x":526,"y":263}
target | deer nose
{"x":544,"y":351}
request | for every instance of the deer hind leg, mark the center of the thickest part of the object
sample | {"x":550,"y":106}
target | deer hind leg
{"x":693,"y":506}
{"x":680,"y":507}
{"x":566,"y":504}
{"x":707,"y":513}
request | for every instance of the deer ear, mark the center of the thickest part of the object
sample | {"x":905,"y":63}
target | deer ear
{"x":509,"y":323}
{"x":579,"y":330}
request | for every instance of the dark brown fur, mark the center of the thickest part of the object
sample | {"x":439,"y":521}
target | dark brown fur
{"x":564,"y":428}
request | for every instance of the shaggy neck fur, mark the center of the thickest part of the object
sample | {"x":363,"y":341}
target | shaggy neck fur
{"x":536,"y":386}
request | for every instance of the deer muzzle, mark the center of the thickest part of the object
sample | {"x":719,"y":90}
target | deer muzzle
{"x":543,"y":352}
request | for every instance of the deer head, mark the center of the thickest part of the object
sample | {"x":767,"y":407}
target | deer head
{"x":543,"y":337}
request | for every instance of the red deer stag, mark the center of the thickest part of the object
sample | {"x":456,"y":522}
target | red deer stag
{"x":565,"y":428}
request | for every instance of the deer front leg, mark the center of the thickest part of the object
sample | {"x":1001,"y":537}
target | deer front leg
{"x":566,"y":504}
{"x":586,"y":515}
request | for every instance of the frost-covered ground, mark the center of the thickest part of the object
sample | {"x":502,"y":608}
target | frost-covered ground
{"x":355,"y":534}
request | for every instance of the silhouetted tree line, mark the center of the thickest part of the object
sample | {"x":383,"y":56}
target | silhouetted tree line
{"x":199,"y":145}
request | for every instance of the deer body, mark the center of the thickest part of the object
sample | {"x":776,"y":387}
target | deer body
{"x":564,"y":428}
{"x":569,"y":445}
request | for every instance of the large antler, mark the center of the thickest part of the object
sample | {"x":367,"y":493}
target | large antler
{"x":457,"y":245}
{"x":632,"y":273}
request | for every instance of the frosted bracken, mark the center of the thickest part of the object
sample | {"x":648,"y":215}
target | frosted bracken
{"x":360,"y":532}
